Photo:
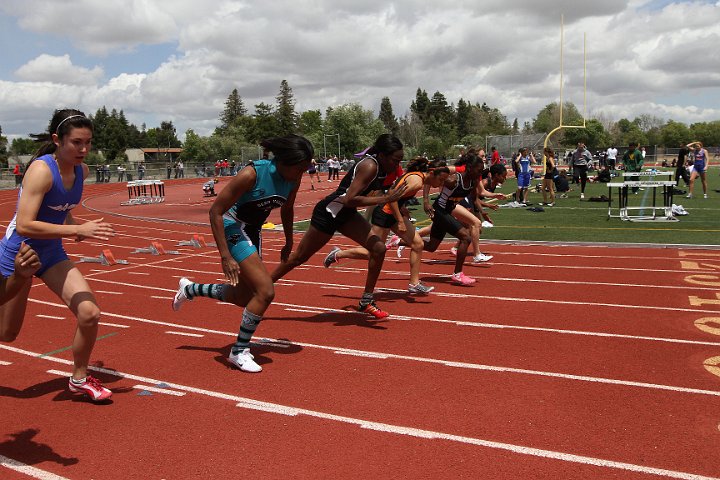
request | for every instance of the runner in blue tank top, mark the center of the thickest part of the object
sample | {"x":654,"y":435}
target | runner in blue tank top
{"x":51,"y":188}
{"x":338,"y":212}
{"x":236,"y":219}
{"x":700,"y":165}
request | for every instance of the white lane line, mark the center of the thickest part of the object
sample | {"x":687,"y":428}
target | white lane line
{"x":159,"y":390}
{"x":186,"y":334}
{"x":381,"y":356}
{"x":109,"y":293}
{"x":137,"y":273}
{"x":396,"y":429}
{"x":113,"y":325}
{"x":303,"y":310}
{"x":335,"y":288}
{"x":52,"y":317}
{"x":433,"y":361}
{"x":160,"y":297}
{"x":28,"y":470}
{"x":4,"y":363}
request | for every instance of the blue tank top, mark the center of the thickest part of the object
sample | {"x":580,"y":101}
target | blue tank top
{"x":271,"y":191}
{"x":524,"y":165}
{"x":54,"y":206}
{"x":700,"y":158}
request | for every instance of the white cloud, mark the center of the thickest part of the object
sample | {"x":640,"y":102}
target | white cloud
{"x":48,"y":68}
{"x":503,"y":52}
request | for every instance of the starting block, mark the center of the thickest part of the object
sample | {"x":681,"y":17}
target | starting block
{"x":156,"y":248}
{"x":106,"y":258}
{"x":197,"y":241}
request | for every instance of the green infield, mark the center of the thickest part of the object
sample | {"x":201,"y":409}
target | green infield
{"x":576,"y":220}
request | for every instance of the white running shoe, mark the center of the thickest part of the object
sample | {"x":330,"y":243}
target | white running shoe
{"x":486,"y":224}
{"x":245,"y":361}
{"x":453,"y":251}
{"x":582,"y":195}
{"x":481,"y":258}
{"x":331,"y":257}
{"x":399,"y":251}
{"x":420,"y":288}
{"x":180,"y":296}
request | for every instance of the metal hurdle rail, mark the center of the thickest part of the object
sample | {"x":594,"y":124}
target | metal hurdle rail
{"x":625,"y":211}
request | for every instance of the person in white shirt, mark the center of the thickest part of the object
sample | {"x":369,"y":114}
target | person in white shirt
{"x":611,"y":157}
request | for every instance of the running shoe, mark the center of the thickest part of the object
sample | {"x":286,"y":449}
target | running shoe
{"x":420,"y":288}
{"x":453,"y":250}
{"x":394,"y":241}
{"x":582,"y":195}
{"x":180,"y":296}
{"x":462,"y":279}
{"x":91,"y":387}
{"x":373,"y":310}
{"x":705,"y":195}
{"x":481,"y":258}
{"x":551,"y":204}
{"x":400,"y":250}
{"x":245,"y":361}
{"x":689,"y":195}
{"x":331,"y":257}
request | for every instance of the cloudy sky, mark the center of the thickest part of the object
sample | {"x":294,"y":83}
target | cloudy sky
{"x":179,"y":59}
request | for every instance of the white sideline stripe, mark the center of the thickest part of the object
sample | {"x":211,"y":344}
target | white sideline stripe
{"x":432,"y":361}
{"x":362,"y":354}
{"x":113,"y":325}
{"x":197,"y":335}
{"x":397,"y":429}
{"x":159,"y":390}
{"x":461,"y":295}
{"x":53,"y":317}
{"x":109,"y":293}
{"x":335,"y":288}
{"x":160,"y":298}
{"x":138,"y":273}
{"x":4,"y":363}
{"x":28,"y":470}
{"x":303,"y":310}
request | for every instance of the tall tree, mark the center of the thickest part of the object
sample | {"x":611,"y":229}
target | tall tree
{"x":462,"y":118}
{"x":234,"y":110}
{"x":264,"y":124}
{"x":387,"y":117}
{"x":285,"y":112}
{"x":421,"y":104}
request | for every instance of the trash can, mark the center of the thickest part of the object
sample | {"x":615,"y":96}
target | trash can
{"x":129,"y":176}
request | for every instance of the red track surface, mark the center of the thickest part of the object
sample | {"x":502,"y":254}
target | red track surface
{"x":562,"y":362}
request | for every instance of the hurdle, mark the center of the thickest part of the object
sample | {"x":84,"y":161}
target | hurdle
{"x":142,"y":192}
{"x":624,"y":211}
{"x":106,"y":258}
{"x":197,"y":241}
{"x":156,"y":248}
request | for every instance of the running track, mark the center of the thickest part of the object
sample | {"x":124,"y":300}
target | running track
{"x":562,"y":362}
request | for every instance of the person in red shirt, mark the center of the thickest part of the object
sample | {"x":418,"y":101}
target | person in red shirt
{"x":495,"y":156}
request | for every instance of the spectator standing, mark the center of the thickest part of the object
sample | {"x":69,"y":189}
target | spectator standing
{"x":169,"y":169}
{"x":494,"y":156}
{"x":121,"y":172}
{"x":581,"y":158}
{"x":141,"y":170}
{"x":17,"y":171}
{"x":681,"y":166}
{"x":633,"y":162}
{"x":611,"y":157}
{"x":699,"y":168}
{"x":181,"y":169}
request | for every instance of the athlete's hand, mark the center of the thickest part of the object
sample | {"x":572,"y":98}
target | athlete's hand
{"x":493,"y":206}
{"x":285,"y":252}
{"x":231,"y":269}
{"x":428,"y":209}
{"x":395,"y":194}
{"x":94,"y":229}
{"x":27,"y":261}
{"x":500,"y":196}
{"x":401,"y":227}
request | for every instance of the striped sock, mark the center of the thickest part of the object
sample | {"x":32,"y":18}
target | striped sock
{"x":367,"y":299}
{"x":211,"y":290}
{"x":250,"y":321}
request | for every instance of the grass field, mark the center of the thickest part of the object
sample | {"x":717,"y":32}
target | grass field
{"x":572,"y":219}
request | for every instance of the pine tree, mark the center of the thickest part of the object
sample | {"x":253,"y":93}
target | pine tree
{"x":285,"y":112}
{"x":421,"y":105}
{"x":234,"y":110}
{"x":463,"y":118}
{"x":387,"y":117}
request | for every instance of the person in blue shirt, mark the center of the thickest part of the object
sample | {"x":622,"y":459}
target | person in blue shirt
{"x":523,"y":161}
{"x":236,"y":219}
{"x":52,"y":187}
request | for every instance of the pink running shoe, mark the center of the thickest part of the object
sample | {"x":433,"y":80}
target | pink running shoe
{"x":90,"y":387}
{"x":462,"y":279}
{"x":393,"y":242}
